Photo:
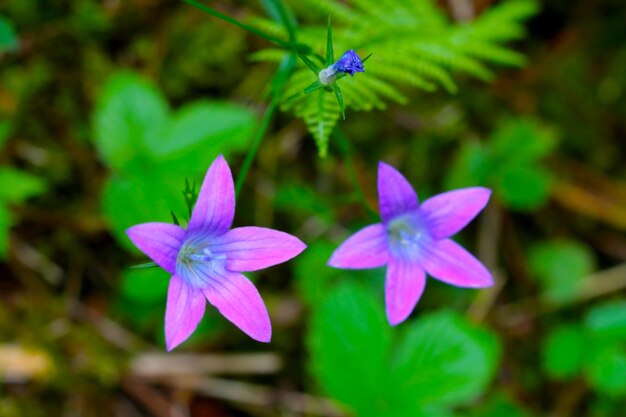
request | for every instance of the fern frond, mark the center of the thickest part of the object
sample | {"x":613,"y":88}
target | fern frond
{"x":414,"y":45}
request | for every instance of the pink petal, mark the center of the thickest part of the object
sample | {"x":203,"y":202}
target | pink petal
{"x":185,"y":308}
{"x":215,"y":208}
{"x":447,"y":213}
{"x":239,"y":301}
{"x":254,"y":248}
{"x":160,"y":241}
{"x":395,"y":195}
{"x":367,"y":248}
{"x":450,"y":263}
{"x":404,"y":286}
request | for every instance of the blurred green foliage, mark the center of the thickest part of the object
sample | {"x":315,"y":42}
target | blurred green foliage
{"x":596,"y":348}
{"x":437,"y":362}
{"x":509,"y":163}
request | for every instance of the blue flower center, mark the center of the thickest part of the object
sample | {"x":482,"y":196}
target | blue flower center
{"x":406,"y":236}
{"x":196,"y":263}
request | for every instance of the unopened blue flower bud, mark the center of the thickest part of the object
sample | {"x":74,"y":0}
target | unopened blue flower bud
{"x":348,"y":63}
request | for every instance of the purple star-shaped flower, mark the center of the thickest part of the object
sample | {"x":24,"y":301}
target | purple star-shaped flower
{"x":349,"y":63}
{"x":207,"y":259}
{"x":413,"y":239}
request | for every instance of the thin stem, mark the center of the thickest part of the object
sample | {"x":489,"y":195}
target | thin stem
{"x":345,"y":148}
{"x":276,"y":88}
{"x":287,"y":45}
{"x":256,"y":142}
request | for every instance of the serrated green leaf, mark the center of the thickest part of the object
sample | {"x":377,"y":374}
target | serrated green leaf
{"x":565,"y":352}
{"x":522,"y":139}
{"x":561,"y":267}
{"x":442,"y":360}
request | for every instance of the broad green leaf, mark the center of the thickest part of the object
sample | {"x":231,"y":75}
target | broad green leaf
{"x":499,"y":406}
{"x":130,"y":201}
{"x":349,"y":342}
{"x":472,"y":167}
{"x":565,"y":352}
{"x":145,"y":285}
{"x":608,"y":321}
{"x":17,"y":186}
{"x":130,"y":116}
{"x":522,"y":139}
{"x":443,"y":360}
{"x":440,"y":361}
{"x":8,"y":37}
{"x":199,"y":132}
{"x":524,"y":187}
{"x":607,"y":370}
{"x":561,"y":267}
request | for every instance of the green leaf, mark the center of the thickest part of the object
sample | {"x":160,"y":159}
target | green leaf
{"x":313,"y":288}
{"x":337,"y":92}
{"x":524,"y":187}
{"x":16,"y":186}
{"x":145,"y":285}
{"x":443,"y":360}
{"x":199,"y":132}
{"x":130,"y":116}
{"x":312,"y":65}
{"x":148,"y":197}
{"x":8,"y":37}
{"x":349,"y":341}
{"x":523,"y":140}
{"x":499,"y":406}
{"x":607,"y":371}
{"x":608,"y":321}
{"x":561,"y":267}
{"x":438,"y":362}
{"x":330,"y":54}
{"x":565,"y":352}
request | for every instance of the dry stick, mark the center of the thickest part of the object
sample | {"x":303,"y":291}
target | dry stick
{"x":259,"y":395}
{"x":595,"y":285}
{"x":488,"y":242}
{"x":161,"y":365}
{"x":151,"y":399}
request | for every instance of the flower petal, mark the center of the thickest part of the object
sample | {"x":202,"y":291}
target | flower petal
{"x":185,"y":308}
{"x":447,"y":213}
{"x":404,"y":286}
{"x":215,"y":208}
{"x":239,"y":301}
{"x":254,"y":248}
{"x":367,"y":248}
{"x":395,"y":194}
{"x":160,"y":241}
{"x":449,"y":262}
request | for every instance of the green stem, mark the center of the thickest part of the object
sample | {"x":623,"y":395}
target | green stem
{"x":256,"y":142}
{"x":343,"y":143}
{"x":287,"y":45}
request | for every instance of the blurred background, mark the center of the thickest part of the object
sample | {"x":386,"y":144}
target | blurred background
{"x":106,"y":107}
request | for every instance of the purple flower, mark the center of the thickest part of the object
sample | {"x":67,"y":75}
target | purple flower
{"x":349,"y":63}
{"x":413,"y":239}
{"x":207,"y":259}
